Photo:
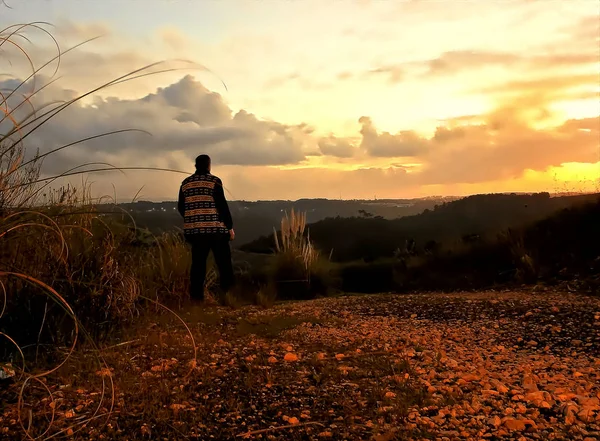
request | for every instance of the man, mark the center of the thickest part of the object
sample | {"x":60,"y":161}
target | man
{"x":207,"y":226}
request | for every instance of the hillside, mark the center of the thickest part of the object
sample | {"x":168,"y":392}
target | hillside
{"x":467,"y":220}
{"x":254,"y":219}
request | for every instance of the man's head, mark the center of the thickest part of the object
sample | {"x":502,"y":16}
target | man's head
{"x":203,"y":163}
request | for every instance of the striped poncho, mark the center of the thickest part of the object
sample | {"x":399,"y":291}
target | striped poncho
{"x":203,"y":205}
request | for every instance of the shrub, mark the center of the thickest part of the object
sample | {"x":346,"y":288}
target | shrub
{"x":297,"y":270}
{"x":93,"y":262}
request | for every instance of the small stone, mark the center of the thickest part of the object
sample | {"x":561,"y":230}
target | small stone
{"x":290,"y":357}
{"x":502,"y":388}
{"x":519,"y":425}
{"x":496,"y":421}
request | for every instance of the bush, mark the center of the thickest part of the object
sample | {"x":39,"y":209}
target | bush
{"x":96,"y":270}
{"x":297,"y":271}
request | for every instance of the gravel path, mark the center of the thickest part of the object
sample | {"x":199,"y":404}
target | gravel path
{"x":486,"y":366}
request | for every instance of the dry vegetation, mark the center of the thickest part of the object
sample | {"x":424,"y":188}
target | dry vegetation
{"x":69,"y":276}
{"x":298,"y":271}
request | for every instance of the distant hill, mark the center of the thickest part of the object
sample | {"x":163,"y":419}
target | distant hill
{"x":468,"y":220}
{"x":254,"y":219}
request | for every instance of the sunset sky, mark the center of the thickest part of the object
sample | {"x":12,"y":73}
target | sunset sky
{"x":351,"y":99}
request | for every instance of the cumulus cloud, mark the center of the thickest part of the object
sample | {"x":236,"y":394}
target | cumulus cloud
{"x":384,"y":144}
{"x":338,"y":147}
{"x":183,"y":117}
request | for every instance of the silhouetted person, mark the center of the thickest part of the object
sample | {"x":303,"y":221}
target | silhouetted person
{"x":207,"y":226}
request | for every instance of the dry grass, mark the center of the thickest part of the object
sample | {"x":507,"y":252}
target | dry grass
{"x":298,"y":271}
{"x":292,"y":241}
{"x":75,"y":274}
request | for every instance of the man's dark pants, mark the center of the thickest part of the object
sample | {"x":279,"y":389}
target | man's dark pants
{"x":202,"y":244}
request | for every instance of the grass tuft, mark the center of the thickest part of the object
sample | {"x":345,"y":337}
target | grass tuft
{"x":297,"y":270}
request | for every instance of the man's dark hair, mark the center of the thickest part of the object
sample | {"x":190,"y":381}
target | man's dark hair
{"x":203,"y":163}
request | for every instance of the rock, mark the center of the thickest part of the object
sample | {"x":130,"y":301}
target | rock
{"x":529,"y":384}
{"x":495,"y":421}
{"x":471,"y":377}
{"x":487,"y":393}
{"x":587,"y":414}
{"x":540,"y":399}
{"x":290,"y":357}
{"x":570,"y":418}
{"x":513,"y":424}
{"x":519,"y":425}
{"x":502,"y":388}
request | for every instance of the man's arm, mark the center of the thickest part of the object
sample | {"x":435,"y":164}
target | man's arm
{"x":181,"y":203}
{"x":222,"y":207}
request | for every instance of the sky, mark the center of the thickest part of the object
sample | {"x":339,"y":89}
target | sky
{"x":300,"y":98}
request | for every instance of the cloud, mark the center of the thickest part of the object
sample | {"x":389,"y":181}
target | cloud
{"x":552,"y":84}
{"x":344,"y":76}
{"x":394,"y":73}
{"x":184,"y":118}
{"x":503,"y":148}
{"x":585,"y":32}
{"x":338,"y":147}
{"x":79,"y":32}
{"x":455,"y":61}
{"x":173,"y":38}
{"x":384,"y":144}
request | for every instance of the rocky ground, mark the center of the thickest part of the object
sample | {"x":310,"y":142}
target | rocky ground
{"x":487,"y":366}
